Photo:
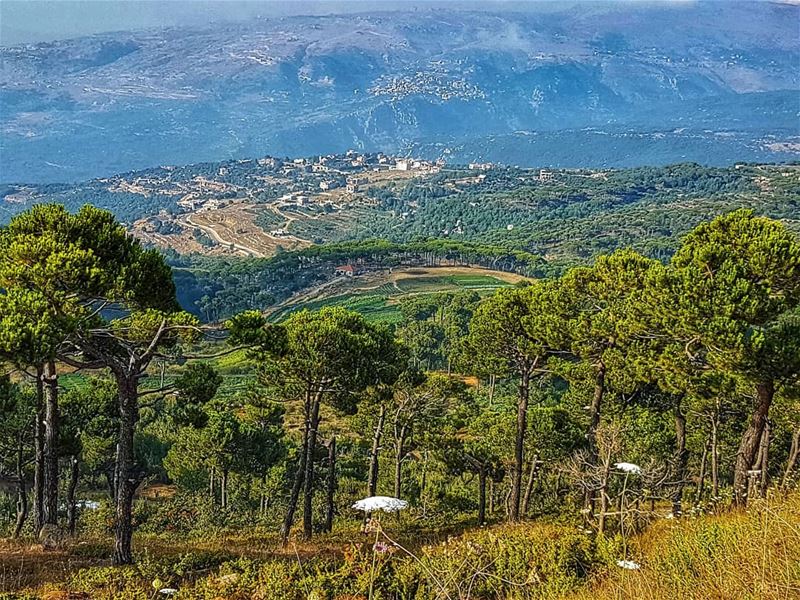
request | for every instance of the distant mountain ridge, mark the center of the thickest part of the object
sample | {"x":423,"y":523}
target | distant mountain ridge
{"x":664,"y":83}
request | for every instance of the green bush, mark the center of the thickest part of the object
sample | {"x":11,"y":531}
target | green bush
{"x":530,"y":562}
{"x":527,"y":562}
{"x":110,"y":583}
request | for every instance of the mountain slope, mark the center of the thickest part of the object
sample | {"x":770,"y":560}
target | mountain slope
{"x":445,"y":81}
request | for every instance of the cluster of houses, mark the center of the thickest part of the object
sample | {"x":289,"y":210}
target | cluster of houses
{"x":198,"y":193}
{"x":349,"y":172}
{"x":296,"y":198}
{"x":353,"y":161}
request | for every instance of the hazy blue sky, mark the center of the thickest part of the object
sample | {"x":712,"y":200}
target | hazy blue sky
{"x":23,"y":21}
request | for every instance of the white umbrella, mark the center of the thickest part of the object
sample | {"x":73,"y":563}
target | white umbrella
{"x":384,"y":503}
{"x":628,"y":468}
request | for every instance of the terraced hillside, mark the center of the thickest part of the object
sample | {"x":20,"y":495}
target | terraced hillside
{"x":377,"y":295}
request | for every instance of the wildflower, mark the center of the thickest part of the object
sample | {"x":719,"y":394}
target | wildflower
{"x":384,"y":503}
{"x":628,"y":564}
{"x":626,"y":467}
{"x":380,"y":547}
{"x":372,"y":525}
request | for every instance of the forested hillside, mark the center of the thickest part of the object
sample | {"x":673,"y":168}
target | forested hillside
{"x":249,"y":234}
{"x":628,"y":425}
{"x":502,"y":218}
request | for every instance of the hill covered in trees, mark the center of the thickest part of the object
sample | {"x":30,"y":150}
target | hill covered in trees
{"x":251,"y":233}
{"x":560,"y":437}
{"x":504,"y":219}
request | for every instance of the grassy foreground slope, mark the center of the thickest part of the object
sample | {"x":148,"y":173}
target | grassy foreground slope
{"x":753,"y":554}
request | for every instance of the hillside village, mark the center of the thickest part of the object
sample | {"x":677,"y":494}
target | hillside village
{"x":256,"y":207}
{"x":306,"y":180}
{"x":249,"y":208}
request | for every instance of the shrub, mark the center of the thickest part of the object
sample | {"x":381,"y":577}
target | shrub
{"x":528,"y":561}
{"x":110,"y":583}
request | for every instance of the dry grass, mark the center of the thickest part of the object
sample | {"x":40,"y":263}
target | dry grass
{"x":24,"y":564}
{"x":739,"y":555}
{"x":753,"y":554}
{"x":235,"y":224}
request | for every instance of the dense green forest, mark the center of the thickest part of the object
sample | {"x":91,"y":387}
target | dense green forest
{"x":524,"y":444}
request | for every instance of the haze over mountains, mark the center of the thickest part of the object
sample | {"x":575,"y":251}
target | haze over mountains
{"x":586,"y":85}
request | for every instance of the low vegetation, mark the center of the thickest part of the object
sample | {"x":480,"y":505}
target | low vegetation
{"x":627,"y":429}
{"x":750,"y":554}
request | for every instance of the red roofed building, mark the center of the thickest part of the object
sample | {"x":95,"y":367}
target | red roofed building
{"x":347,"y":270}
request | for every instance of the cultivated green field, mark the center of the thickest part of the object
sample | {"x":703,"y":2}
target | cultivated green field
{"x":381,"y":303}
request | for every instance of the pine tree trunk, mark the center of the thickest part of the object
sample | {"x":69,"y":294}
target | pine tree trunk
{"x":50,"y":444}
{"x":753,"y":472}
{"x":265,"y":499}
{"x":715,"y":456}
{"x":38,"y":449}
{"x":22,"y":494}
{"x":223,"y":489}
{"x":372,"y":482}
{"x":601,"y":524}
{"x":526,"y":503}
{"x":519,"y":446}
{"x":424,"y":481}
{"x":596,"y":408}
{"x":74,"y":474}
{"x":557,"y":486}
{"x":262,"y":503}
{"x":398,"y":463}
{"x":765,"y":441}
{"x":22,"y":508}
{"x":482,"y":495}
{"x":331,"y":486}
{"x":701,"y":479}
{"x":111,"y":482}
{"x":308,"y":492}
{"x":750,"y":443}
{"x":294,"y":496}
{"x":594,"y":423}
{"x":680,"y":460}
{"x":794,"y":454}
{"x":126,"y":478}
